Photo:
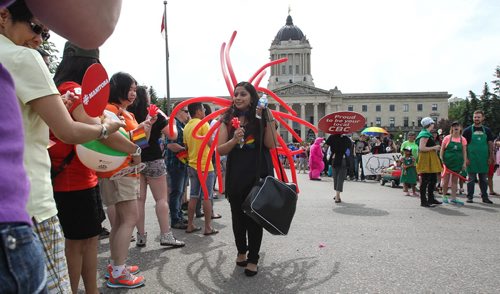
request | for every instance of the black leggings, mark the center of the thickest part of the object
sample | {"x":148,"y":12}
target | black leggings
{"x":428,"y":185}
{"x":242,"y":224}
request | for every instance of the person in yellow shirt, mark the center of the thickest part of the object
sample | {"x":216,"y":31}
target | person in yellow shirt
{"x":197,"y":113}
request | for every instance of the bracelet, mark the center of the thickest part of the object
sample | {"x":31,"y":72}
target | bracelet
{"x":104,"y":132}
{"x":137,"y":152}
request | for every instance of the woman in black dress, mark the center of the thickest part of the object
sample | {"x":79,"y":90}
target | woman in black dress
{"x":241,"y":145}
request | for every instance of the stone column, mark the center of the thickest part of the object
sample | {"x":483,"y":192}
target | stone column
{"x":328,"y":108}
{"x":315,"y":104}
{"x":303,"y":116}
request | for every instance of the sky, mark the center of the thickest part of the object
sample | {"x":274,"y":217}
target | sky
{"x":361,"y":46}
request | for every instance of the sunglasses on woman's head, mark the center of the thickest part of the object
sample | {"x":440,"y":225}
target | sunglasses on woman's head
{"x":39,"y":30}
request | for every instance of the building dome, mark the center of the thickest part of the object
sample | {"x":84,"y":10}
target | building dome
{"x":288,"y":32}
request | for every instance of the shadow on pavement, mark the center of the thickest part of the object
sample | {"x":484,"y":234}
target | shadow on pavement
{"x":291,"y":276}
{"x":358,"y":209}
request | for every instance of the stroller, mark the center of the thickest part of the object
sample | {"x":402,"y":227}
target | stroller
{"x":391,"y":174}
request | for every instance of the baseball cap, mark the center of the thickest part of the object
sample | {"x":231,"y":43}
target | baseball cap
{"x":427,"y":121}
{"x":455,"y":123}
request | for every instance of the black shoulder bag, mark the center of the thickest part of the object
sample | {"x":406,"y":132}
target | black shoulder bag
{"x":271,"y":203}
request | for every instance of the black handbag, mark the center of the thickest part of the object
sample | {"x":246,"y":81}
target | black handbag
{"x":271,"y":203}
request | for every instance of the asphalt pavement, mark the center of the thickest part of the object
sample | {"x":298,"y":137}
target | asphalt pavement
{"x":375,"y":241}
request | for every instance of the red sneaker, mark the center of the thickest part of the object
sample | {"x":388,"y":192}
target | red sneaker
{"x":126,"y":280}
{"x":133,"y":269}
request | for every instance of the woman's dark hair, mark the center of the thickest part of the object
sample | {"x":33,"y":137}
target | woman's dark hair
{"x":19,"y":11}
{"x":140,"y":106}
{"x":250,"y":114}
{"x":72,"y":69}
{"x":120,"y":84}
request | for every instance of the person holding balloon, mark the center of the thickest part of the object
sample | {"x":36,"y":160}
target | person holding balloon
{"x":42,"y":108}
{"x":240,"y":142}
{"x":75,"y":185}
{"x":154,"y":174}
{"x":122,"y":193}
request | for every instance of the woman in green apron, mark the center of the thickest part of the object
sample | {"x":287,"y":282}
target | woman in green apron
{"x":428,"y":164}
{"x":454,"y":155}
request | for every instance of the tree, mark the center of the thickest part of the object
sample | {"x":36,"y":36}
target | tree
{"x":153,"y":96}
{"x":466,"y":119}
{"x":456,"y":110}
{"x":486,"y":104}
{"x":496,"y":82}
{"x":50,"y":48}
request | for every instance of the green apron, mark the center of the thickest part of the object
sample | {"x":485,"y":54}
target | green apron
{"x":477,"y":152}
{"x":453,"y":157}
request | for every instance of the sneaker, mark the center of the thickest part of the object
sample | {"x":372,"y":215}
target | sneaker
{"x":141,"y":239}
{"x":456,"y":201}
{"x":445,"y":199}
{"x":179,"y":226}
{"x":486,"y":200}
{"x":168,"y":239}
{"x":416,"y":194}
{"x":133,"y":269}
{"x":407,"y":194}
{"x":469,"y":200}
{"x":126,"y":280}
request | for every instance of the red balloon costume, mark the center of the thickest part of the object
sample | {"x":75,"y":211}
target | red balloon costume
{"x":230,"y":80}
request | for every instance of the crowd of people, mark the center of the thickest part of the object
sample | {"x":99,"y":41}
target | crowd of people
{"x":52,"y":205}
{"x":437,"y":162}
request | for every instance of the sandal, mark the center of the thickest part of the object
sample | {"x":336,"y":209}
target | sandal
{"x":212,"y":232}
{"x":338,"y":200}
{"x":195,"y":229}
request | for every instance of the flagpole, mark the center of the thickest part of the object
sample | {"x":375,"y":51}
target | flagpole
{"x":166,"y":56}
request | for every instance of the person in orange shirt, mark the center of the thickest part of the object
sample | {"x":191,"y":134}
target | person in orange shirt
{"x":122,"y":193}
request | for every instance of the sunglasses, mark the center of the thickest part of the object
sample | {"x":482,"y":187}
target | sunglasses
{"x":39,"y":30}
{"x":186,"y":111}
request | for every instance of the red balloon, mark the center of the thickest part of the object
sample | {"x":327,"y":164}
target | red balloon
{"x":216,"y":100}
{"x":206,"y":119}
{"x":277,"y":61}
{"x":95,"y":90}
{"x":259,"y":79}
{"x":230,"y":87}
{"x":228,"y":60}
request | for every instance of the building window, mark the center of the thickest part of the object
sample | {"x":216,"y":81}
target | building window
{"x":364,"y":108}
{"x":406,"y":107}
{"x":392,"y":122}
{"x":378,"y":121}
{"x":283,"y":69}
{"x":290,"y":71}
{"x":378,"y":108}
{"x":405,"y":121}
{"x":350,"y":107}
{"x":435,"y":118}
{"x":420,"y":107}
{"x":434,"y":107}
{"x":297,"y":69}
{"x":392,"y":107}
{"x":419,"y":119}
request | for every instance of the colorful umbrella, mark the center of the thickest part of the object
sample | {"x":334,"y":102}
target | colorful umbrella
{"x":374,"y":131}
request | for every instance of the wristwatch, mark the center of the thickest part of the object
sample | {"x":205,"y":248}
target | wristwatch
{"x":104,"y":133}
{"x":137,"y":152}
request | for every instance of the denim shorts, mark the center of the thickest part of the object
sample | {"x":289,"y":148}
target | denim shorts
{"x":22,"y":266}
{"x":194,"y":182}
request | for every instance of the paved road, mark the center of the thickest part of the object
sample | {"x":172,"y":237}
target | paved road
{"x":375,"y":241}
